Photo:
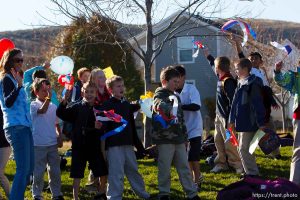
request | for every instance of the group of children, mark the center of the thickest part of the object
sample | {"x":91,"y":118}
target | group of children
{"x":240,"y":106}
{"x":243,"y":105}
{"x":118,"y":158}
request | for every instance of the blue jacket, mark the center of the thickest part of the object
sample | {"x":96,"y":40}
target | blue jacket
{"x":247,"y":109}
{"x":13,"y":104}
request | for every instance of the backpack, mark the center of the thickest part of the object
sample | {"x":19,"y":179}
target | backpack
{"x":223,"y":83}
{"x":251,"y":188}
{"x":269,"y":142}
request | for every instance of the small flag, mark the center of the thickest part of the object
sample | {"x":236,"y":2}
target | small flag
{"x":246,"y":28}
{"x":233,"y":139}
{"x":286,"y":48}
{"x":108,"y":72}
{"x":197,"y":45}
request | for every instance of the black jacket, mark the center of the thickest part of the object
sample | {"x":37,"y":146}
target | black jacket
{"x":128,"y":136}
{"x":82,"y":117}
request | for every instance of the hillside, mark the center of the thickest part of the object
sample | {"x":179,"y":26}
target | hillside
{"x":276,"y":30}
{"x":34,"y":42}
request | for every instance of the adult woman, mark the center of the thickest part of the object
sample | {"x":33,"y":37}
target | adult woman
{"x":16,"y":120}
{"x":4,"y":156}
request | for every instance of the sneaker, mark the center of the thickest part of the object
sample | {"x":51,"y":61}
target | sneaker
{"x":164,"y":197}
{"x":200,"y":181}
{"x":239,"y":170}
{"x":219,"y":168}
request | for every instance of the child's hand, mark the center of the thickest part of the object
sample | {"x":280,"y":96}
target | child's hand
{"x":66,"y":96}
{"x":206,"y":52}
{"x":98,"y":125}
{"x":48,"y":88}
{"x":231,"y":126}
{"x":17,"y":76}
{"x":278,"y":66}
{"x":49,"y":92}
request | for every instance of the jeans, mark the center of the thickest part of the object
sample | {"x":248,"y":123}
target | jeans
{"x":46,"y":156}
{"x":20,"y":139}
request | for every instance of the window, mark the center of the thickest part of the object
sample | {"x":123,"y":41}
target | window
{"x":185,"y":49}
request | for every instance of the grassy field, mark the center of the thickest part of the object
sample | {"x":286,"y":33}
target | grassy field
{"x":212,"y":182}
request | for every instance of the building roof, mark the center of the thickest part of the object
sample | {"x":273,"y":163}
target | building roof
{"x":199,"y":21}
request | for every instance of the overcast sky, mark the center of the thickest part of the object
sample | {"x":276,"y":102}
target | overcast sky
{"x":26,"y":14}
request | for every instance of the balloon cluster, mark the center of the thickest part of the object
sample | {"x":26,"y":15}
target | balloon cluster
{"x":63,"y":65}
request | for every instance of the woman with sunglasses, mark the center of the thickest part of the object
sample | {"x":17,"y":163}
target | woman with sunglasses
{"x":16,"y":120}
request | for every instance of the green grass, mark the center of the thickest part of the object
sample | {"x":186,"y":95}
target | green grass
{"x":269,"y":168}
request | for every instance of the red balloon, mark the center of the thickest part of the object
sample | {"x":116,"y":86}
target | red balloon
{"x":5,"y":44}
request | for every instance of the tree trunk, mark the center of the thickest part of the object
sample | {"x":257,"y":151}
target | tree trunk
{"x":147,"y":72}
{"x":147,"y":121}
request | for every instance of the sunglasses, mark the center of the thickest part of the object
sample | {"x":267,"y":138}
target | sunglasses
{"x":18,"y":60}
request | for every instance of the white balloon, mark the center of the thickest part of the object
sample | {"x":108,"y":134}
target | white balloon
{"x":146,"y":107}
{"x":62,"y":65}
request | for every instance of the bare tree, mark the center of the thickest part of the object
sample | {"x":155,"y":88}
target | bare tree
{"x":148,"y":14}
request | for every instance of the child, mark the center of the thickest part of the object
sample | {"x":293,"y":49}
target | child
{"x":191,"y":103}
{"x":83,"y":76}
{"x":30,"y":75}
{"x":170,"y":141}
{"x":225,"y":91}
{"x":85,"y":138}
{"x":247,"y":113}
{"x":97,"y":77}
{"x":120,"y":147}
{"x":268,"y":99}
{"x":46,"y":139}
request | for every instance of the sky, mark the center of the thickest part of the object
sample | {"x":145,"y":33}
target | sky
{"x":27,"y":14}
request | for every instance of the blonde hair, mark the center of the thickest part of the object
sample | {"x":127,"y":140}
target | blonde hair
{"x":110,"y":82}
{"x":94,"y":72}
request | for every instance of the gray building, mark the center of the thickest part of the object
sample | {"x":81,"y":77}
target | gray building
{"x":180,"y":49}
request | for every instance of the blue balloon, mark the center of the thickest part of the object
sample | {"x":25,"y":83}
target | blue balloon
{"x":62,"y":65}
